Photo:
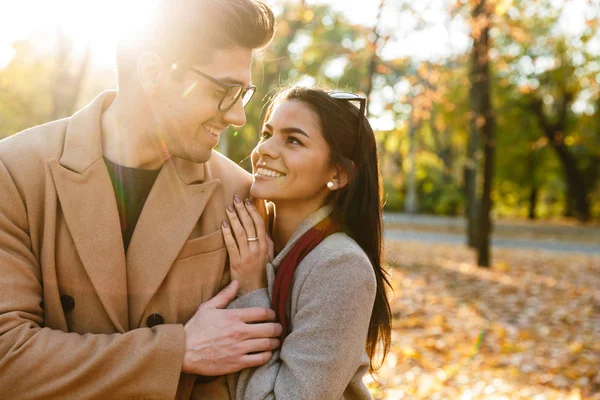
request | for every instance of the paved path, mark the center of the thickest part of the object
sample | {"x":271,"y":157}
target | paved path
{"x":395,"y":230}
{"x":450,"y":238}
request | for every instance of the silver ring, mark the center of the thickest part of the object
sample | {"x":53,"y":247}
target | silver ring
{"x":253,"y":239}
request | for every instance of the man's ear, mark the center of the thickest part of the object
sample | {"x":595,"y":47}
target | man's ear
{"x":339,"y":179}
{"x":149,"y":69}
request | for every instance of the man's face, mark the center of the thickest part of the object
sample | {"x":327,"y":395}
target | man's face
{"x":186,"y":108}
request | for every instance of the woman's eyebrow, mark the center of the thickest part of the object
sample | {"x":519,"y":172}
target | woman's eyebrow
{"x":289,"y":130}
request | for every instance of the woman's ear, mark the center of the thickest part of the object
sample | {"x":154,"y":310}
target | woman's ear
{"x":149,"y":69}
{"x":338,"y":180}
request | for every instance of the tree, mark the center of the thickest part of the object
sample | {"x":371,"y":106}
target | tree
{"x":551,"y":72}
{"x":482,"y":117}
{"x":41,"y":83}
{"x":374,"y":46}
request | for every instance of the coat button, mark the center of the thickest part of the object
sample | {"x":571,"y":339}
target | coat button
{"x":154,"y":319}
{"x":67,"y":302}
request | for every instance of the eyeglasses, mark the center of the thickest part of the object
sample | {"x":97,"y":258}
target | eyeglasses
{"x":347,"y":96}
{"x":232,"y":94}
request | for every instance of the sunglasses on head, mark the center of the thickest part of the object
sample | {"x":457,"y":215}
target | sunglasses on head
{"x":353,"y":97}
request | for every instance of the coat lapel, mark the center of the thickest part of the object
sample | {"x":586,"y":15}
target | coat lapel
{"x":172,"y":209}
{"x":88,"y":203}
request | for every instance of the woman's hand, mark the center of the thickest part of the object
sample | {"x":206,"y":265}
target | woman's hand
{"x":248,"y":245}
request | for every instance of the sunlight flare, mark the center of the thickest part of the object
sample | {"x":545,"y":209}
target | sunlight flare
{"x":189,"y":89}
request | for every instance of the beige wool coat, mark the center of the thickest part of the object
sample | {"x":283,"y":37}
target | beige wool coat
{"x":74,"y":308}
{"x":324,"y":355}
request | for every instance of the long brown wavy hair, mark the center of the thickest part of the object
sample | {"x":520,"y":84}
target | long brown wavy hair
{"x":358,"y":205}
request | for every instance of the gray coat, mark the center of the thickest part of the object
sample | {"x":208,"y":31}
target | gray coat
{"x":332,"y":298}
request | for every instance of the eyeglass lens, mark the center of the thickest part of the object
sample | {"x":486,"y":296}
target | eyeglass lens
{"x":234,"y":94}
{"x":248,"y":95}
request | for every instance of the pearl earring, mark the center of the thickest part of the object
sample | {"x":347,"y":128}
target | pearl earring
{"x":330,"y":184}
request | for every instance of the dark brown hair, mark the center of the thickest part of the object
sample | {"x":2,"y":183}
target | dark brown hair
{"x":191,"y":30}
{"x":358,"y":205}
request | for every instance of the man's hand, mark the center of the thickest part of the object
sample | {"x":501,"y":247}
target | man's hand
{"x":220,"y":341}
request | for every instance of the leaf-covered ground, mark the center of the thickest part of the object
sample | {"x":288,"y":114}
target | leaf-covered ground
{"x":528,"y":328}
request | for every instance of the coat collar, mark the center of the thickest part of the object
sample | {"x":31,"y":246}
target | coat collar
{"x":125,"y":284}
{"x":83,"y":139}
{"x":310,"y":221}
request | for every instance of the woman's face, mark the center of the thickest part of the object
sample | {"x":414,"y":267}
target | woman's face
{"x":291,"y":163}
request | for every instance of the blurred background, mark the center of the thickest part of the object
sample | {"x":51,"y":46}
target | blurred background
{"x":487,"y":115}
{"x":413,"y":61}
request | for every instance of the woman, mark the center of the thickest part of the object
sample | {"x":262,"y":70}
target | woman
{"x":316,"y":163}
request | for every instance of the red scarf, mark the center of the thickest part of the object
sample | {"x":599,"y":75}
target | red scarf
{"x":285,"y":273}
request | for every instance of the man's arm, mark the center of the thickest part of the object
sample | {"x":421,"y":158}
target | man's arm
{"x":39,"y":362}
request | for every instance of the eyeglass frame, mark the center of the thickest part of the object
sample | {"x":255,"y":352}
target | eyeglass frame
{"x":363,"y":105}
{"x":228,"y":88}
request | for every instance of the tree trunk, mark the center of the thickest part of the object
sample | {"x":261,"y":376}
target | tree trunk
{"x":485,"y":223}
{"x":411,"y":202}
{"x":443,"y":147}
{"x":482,"y":119}
{"x":471,"y":206}
{"x":533,"y":195}
{"x":576,"y":187}
{"x":532,"y":201}
{"x":373,"y":62}
{"x":577,"y":190}
{"x":478,"y":65}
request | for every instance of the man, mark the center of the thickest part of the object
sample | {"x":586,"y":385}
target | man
{"x":111,"y":253}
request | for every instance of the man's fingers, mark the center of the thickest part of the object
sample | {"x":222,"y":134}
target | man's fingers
{"x":224,"y":297}
{"x":256,"y":314}
{"x":264,"y":330}
{"x":259,"y":345}
{"x":256,"y":360}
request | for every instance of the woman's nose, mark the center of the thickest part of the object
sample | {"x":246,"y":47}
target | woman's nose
{"x":268,"y":148}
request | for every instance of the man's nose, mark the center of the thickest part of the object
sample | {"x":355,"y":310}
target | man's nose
{"x":236,"y":115}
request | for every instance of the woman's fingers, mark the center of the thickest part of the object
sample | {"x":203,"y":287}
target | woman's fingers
{"x":244,"y":217}
{"x":237,"y":228}
{"x":259,"y":225}
{"x":257,"y":220}
{"x":232,"y":249}
{"x":267,"y":245}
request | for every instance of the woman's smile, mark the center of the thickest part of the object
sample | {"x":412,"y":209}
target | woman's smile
{"x":262,"y":171}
